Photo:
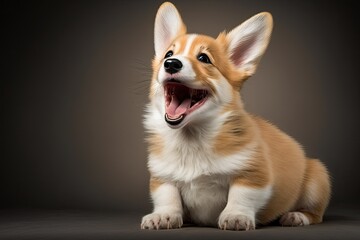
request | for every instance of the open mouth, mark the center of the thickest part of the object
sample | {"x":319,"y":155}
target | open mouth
{"x":181,"y":100}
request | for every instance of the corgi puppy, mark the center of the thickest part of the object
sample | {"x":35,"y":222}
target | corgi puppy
{"x":211,"y":162}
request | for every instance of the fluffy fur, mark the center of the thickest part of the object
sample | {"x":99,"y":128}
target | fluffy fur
{"x":219,"y":165}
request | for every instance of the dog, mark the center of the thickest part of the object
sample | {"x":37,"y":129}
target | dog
{"x":211,"y":162}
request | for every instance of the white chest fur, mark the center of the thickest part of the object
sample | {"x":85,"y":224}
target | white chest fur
{"x":204,"y":198}
{"x":188,"y":155}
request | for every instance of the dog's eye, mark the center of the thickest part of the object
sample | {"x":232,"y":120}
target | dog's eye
{"x":204,"y":58}
{"x":169,"y":54}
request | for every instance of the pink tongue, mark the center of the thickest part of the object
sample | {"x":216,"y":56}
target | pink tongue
{"x":175,"y":108}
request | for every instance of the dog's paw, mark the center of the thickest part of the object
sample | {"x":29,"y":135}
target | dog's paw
{"x":162,"y":221}
{"x":233,"y":221}
{"x":294,"y":219}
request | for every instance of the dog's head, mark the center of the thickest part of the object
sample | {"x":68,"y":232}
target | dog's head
{"x":195,"y":76}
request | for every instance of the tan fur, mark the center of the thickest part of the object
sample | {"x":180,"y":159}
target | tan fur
{"x":155,"y":183}
{"x":235,"y":78}
{"x":156,"y":144}
{"x":315,"y":191}
{"x":287,"y":165}
{"x":291,"y":172}
{"x":257,"y":175}
{"x":233,"y":136}
{"x":280,"y":161}
{"x":179,"y":45}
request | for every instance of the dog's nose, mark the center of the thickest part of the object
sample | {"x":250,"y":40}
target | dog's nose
{"x":172,"y":65}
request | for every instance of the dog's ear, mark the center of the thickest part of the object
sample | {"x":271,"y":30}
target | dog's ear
{"x":168,"y":26}
{"x":248,"y":41}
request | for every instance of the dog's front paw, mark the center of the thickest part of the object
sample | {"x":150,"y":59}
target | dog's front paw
{"x":235,"y":221}
{"x":162,"y":221}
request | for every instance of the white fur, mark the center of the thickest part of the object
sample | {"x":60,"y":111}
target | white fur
{"x":205,"y":210}
{"x":167,"y":199}
{"x":244,"y":201}
{"x":189,"y":42}
{"x":187,"y":74}
{"x":185,"y":161}
{"x":294,"y":219}
{"x":167,"y":209}
{"x":167,"y":27}
{"x":248,"y":42}
{"x":223,"y":89}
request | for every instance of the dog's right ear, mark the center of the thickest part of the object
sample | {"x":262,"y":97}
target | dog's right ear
{"x":168,"y":26}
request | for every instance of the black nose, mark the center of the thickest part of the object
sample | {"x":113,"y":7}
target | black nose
{"x":172,"y":65}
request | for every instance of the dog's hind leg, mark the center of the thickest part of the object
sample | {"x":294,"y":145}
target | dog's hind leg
{"x":313,"y":199}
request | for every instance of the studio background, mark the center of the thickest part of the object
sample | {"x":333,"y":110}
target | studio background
{"x":74,"y":78}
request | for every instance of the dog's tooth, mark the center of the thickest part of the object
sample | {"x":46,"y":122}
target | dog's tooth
{"x":204,"y":93}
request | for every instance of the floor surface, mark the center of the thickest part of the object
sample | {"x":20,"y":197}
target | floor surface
{"x":73,"y":224}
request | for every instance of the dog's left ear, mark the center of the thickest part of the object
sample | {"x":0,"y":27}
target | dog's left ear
{"x":168,"y":26}
{"x":248,"y":42}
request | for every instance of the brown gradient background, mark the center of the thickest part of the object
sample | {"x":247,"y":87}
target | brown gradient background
{"x":74,"y":78}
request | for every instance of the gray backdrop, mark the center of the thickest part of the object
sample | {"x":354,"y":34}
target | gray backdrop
{"x":74,"y":78}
